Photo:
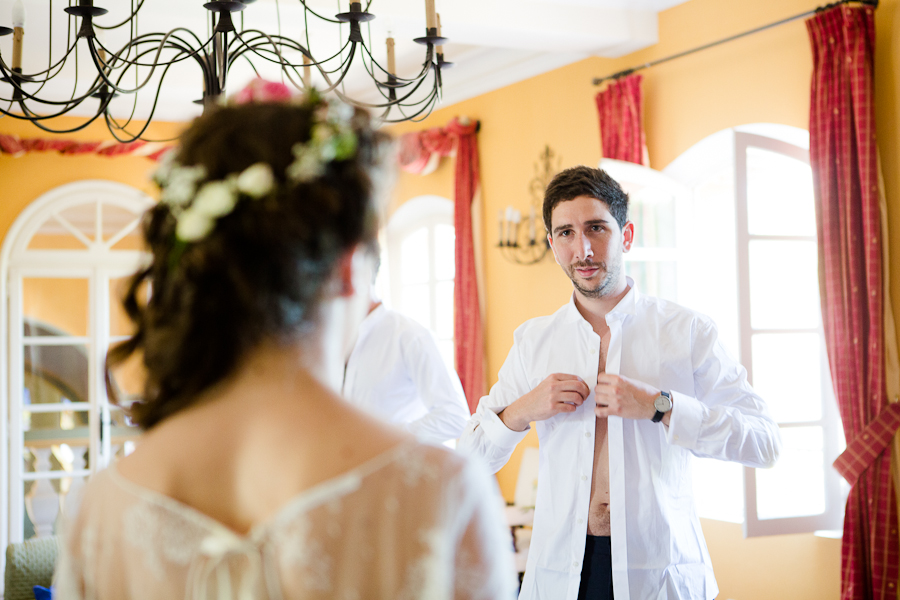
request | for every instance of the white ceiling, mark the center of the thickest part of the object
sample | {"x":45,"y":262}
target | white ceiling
{"x":492,"y":44}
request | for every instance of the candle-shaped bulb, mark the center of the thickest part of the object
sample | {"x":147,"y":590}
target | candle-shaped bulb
{"x":532,"y":233}
{"x":391,"y":61}
{"x":500,"y":227}
{"x":439,"y":49}
{"x":430,"y":15}
{"x":307,"y":74}
{"x":18,"y":14}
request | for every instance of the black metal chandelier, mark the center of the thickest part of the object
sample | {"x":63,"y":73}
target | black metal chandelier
{"x":141,"y":65}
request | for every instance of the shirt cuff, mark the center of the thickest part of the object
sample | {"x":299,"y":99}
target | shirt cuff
{"x":498,"y":433}
{"x":685,"y":422}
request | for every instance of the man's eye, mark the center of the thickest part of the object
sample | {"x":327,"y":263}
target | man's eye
{"x":564,"y":233}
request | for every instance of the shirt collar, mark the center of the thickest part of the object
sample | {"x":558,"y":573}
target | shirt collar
{"x":625,"y":307}
{"x":371,"y":319}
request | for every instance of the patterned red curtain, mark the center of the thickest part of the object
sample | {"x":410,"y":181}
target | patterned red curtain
{"x":417,"y":151}
{"x":843,"y":156}
{"x":621,"y":107}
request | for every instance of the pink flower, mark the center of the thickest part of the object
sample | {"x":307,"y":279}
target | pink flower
{"x":260,"y":90}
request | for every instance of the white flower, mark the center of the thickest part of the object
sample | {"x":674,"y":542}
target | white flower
{"x":338,"y":111}
{"x":307,"y":166}
{"x":181,"y":185}
{"x":215,"y":199}
{"x":164,"y":170}
{"x":256,"y":181}
{"x":193,"y":225}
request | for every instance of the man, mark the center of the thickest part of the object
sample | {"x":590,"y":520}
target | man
{"x":623,"y":388}
{"x":395,"y":372}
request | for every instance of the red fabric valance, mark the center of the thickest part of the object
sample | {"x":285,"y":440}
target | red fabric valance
{"x":621,"y":107}
{"x":16,"y":146}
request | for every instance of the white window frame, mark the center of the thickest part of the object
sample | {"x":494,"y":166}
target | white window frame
{"x":832,"y":518}
{"x":98,"y":263}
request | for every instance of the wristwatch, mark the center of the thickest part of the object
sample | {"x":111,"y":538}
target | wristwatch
{"x":662,"y":404}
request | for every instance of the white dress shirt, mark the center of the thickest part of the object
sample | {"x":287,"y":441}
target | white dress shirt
{"x":396,"y":373}
{"x":658,"y":549}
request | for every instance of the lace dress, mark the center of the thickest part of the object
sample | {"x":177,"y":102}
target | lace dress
{"x":414,"y":522}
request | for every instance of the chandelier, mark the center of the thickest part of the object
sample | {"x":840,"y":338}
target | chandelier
{"x":140,"y":66}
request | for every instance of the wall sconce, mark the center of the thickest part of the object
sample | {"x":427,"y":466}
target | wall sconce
{"x":534,"y":247}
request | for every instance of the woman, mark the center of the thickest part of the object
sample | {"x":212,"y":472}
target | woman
{"x":253,"y":479}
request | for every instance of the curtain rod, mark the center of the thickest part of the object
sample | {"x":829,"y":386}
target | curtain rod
{"x":653,"y":63}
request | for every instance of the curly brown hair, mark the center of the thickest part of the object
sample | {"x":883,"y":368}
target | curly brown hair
{"x":259,"y":274}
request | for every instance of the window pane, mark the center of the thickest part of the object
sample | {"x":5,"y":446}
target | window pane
{"x":444,"y":252}
{"x":45,"y":497}
{"x":55,"y":306}
{"x":784,"y":287}
{"x":444,"y":306}
{"x":414,"y":257}
{"x":719,"y":489}
{"x":653,"y":213}
{"x":117,"y":222}
{"x":656,"y":278}
{"x":795,"y":486}
{"x":415,"y":303}
{"x":787,"y":374}
{"x":54,"y":375}
{"x":779,"y":195}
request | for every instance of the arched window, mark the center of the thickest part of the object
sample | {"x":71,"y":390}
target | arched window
{"x":750,"y":244}
{"x":422,"y":267}
{"x":63,"y":265}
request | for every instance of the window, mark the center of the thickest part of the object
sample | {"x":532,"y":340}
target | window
{"x":64,"y":262}
{"x":735,"y":239}
{"x":422,"y":266}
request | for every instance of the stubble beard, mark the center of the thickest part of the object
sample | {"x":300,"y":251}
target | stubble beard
{"x":607,"y":285}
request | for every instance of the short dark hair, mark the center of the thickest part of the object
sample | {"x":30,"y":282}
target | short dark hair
{"x":261,"y":272}
{"x":585,"y":181}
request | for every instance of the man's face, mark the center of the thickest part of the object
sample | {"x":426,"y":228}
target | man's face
{"x":589,"y":245}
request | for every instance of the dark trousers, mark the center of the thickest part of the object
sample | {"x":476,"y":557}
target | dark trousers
{"x":596,"y":570}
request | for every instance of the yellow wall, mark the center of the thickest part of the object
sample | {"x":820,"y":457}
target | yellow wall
{"x":762,"y":78}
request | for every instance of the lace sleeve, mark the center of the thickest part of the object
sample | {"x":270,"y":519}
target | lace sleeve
{"x":484,"y":554}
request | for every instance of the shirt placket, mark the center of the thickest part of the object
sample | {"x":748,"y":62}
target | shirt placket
{"x":588,"y":367}
{"x":617,"y":500}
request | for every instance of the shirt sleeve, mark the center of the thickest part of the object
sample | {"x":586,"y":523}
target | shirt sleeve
{"x":485,"y":435}
{"x":727,"y":419}
{"x":439,"y":389}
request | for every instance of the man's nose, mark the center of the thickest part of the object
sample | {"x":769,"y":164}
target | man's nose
{"x":585,"y":247}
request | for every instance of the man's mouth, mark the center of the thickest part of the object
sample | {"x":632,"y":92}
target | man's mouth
{"x":587,"y":270}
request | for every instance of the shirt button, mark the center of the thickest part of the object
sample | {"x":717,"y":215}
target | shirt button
{"x":575,"y":564}
{"x":580,"y":521}
{"x":584,"y":477}
{"x":593,"y":351}
{"x":587,"y":434}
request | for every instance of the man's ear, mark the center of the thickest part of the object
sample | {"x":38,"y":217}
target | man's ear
{"x":552,"y":249}
{"x":627,"y":236}
{"x":352,"y":269}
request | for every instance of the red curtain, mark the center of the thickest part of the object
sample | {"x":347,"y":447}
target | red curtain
{"x":416,"y":153}
{"x":843,"y":156}
{"x":621,"y":107}
{"x":16,"y":146}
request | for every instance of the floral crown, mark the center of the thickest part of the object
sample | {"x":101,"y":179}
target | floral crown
{"x":197,"y":209}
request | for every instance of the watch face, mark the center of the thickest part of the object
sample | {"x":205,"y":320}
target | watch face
{"x":662,"y":403}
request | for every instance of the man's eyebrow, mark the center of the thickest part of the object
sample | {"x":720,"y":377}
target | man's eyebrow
{"x":565,"y":226}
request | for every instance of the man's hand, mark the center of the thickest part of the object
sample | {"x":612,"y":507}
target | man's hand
{"x":623,"y":397}
{"x":558,"y":393}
